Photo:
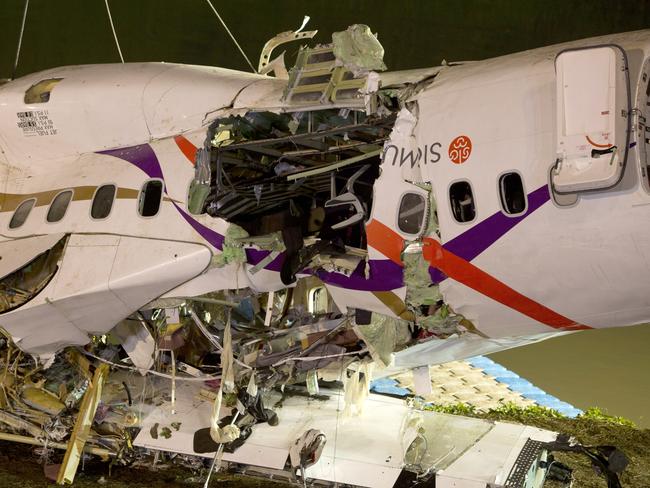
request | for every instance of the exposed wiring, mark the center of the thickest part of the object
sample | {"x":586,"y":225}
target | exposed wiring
{"x":155,"y":373}
{"x":117,"y":42}
{"x":213,"y":340}
{"x":20,"y":39}
{"x":318,"y":358}
{"x":231,"y":35}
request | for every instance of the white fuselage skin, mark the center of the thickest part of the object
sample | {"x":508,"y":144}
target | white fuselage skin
{"x":589,"y":262}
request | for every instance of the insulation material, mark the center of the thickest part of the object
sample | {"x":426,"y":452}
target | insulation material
{"x":356,"y":390}
{"x":312,"y":382}
{"x":419,"y":288}
{"x":233,"y":250}
{"x":227,"y":371}
{"x":358,"y":49}
{"x":221,"y":435}
{"x":442,"y":322}
{"x":200,"y":186}
{"x":251,"y":389}
{"x":383,"y":336}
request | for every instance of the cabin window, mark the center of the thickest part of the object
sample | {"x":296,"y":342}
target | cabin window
{"x":59,"y":206}
{"x":513,"y":196}
{"x":461,"y":198}
{"x":40,"y":92}
{"x":410,"y":217}
{"x":21,"y":213}
{"x":103,"y":202}
{"x":150,"y":198}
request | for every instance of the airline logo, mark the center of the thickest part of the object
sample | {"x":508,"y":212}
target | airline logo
{"x":460,"y":149}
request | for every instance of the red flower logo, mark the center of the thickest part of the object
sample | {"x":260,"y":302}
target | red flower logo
{"x":460,"y":149}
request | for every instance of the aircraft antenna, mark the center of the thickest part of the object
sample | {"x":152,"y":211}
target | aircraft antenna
{"x":117,"y":42}
{"x":20,"y":39}
{"x":231,"y":35}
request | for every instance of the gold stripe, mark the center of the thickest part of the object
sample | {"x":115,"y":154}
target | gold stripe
{"x":472,"y":328}
{"x":395,"y":304}
{"x":10,"y":201}
{"x":127,"y":193}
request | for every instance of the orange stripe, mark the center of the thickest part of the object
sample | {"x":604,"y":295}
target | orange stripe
{"x":385,"y":240}
{"x":186,"y":147}
{"x":471,"y":276}
{"x":604,"y":146}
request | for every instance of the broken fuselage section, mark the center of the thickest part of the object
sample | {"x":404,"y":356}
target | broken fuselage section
{"x":308,"y":176}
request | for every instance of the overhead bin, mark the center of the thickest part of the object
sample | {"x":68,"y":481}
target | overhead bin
{"x":593,"y":123}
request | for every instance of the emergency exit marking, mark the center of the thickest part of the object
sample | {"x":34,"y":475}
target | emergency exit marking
{"x":460,"y":149}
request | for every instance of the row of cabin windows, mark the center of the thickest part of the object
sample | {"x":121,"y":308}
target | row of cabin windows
{"x":511,"y":193}
{"x":102,"y":204}
{"x":410,"y":214}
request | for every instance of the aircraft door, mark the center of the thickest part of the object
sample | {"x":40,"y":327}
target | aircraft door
{"x":593,"y":118}
{"x":642,"y":123}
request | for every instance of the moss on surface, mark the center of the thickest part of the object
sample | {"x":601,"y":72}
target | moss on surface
{"x":591,"y":428}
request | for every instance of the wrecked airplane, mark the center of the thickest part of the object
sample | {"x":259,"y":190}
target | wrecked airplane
{"x":225,"y":235}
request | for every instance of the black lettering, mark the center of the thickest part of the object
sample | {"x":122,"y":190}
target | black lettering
{"x":391,"y":146}
{"x":435,"y":155}
{"x":419,"y":156}
{"x":409,"y":156}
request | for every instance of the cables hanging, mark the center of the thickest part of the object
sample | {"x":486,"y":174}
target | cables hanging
{"x":231,"y":35}
{"x":20,"y":39}
{"x":117,"y":42}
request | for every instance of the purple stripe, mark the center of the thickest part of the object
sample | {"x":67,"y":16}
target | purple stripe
{"x":477,"y":239}
{"x":208,"y":234}
{"x":141,"y":156}
{"x":254,"y":256}
{"x":144,"y":158}
{"x":385,"y":275}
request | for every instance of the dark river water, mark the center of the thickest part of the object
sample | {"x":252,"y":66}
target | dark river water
{"x":608,"y":368}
